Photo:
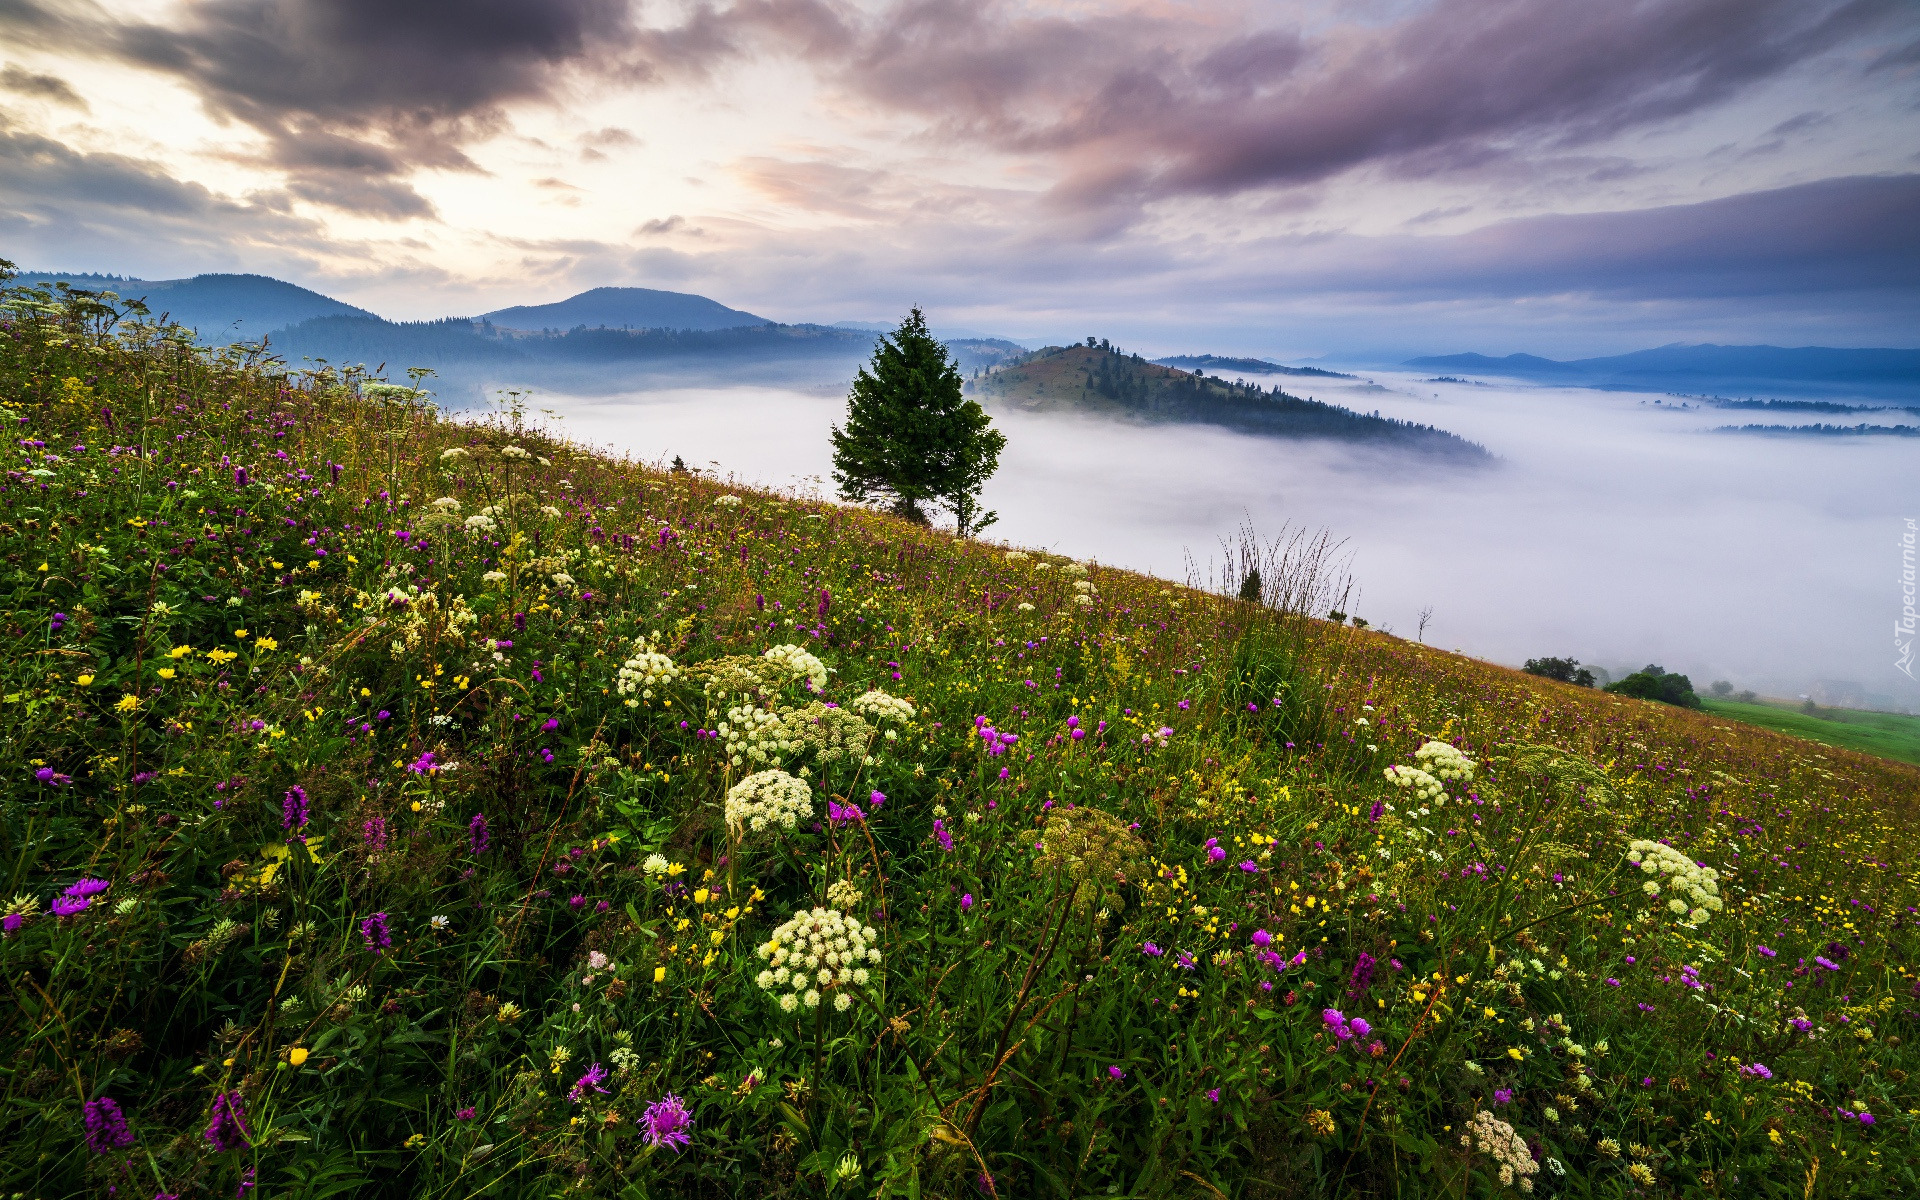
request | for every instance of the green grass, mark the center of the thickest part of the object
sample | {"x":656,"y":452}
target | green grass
{"x":1889,"y":735}
{"x":375,"y":776}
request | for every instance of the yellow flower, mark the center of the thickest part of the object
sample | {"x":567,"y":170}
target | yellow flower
{"x":180,"y":652}
{"x":297,"y":1055}
{"x":239,"y":633}
{"x":217,"y":657}
{"x":700,"y":896}
{"x":659,"y":974}
{"x":166,"y":672}
{"x":265,"y":643}
{"x":416,"y":806}
{"x":84,"y":680}
{"x":277,"y":566}
{"x":1514,"y":1053}
{"x":128,"y":703}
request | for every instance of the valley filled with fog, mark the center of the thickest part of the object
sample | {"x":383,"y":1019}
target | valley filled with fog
{"x":1618,"y":528}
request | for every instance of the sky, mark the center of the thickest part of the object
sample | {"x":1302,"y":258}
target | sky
{"x":1349,"y":178}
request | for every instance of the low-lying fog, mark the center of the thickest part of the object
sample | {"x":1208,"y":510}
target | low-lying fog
{"x":1615,"y":530}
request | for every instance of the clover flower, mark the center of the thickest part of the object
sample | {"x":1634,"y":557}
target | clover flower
{"x":768,"y":798}
{"x":666,"y":1122}
{"x":820,"y":948}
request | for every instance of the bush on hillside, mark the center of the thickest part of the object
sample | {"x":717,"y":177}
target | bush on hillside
{"x":1653,"y":683}
{"x":1566,"y":670}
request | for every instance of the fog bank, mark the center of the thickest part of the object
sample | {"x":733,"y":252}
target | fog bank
{"x":1615,"y":530}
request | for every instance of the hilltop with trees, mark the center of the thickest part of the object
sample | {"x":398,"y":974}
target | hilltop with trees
{"x":1093,"y":377}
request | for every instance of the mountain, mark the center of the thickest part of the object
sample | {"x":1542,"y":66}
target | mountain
{"x":1707,"y":368}
{"x":220,"y":308}
{"x":1204,"y":363}
{"x":625,"y":308}
{"x":1099,"y":380}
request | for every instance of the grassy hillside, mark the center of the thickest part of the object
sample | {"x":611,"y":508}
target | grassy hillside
{"x":1099,"y":379}
{"x":1890,"y":735}
{"x":389,"y":814}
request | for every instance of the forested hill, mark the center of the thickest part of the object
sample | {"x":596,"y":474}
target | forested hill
{"x":1096,"y":378}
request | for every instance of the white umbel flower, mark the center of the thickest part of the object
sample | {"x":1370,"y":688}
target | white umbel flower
{"x":768,"y":798}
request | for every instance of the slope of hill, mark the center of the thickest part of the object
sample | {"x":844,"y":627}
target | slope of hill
{"x":624,"y":308}
{"x":220,"y":308}
{"x":1870,"y":372}
{"x":426,"y":807}
{"x":1099,"y":380}
{"x":1243,"y":366}
{"x":1889,"y":735}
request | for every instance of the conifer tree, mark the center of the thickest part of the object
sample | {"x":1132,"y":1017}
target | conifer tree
{"x":912,"y":439}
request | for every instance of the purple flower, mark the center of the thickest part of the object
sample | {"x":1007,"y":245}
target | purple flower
{"x":1362,"y":976}
{"x":1186,"y":960}
{"x":1801,"y":1024}
{"x":1151,"y":950}
{"x":552,"y":724}
{"x":1866,"y":1118}
{"x":373,"y":833}
{"x":1333,"y":1016}
{"x":374,"y":930}
{"x":67,"y":906}
{"x":1503,"y":1095}
{"x":1764,"y":950}
{"x":1116,"y":1074}
{"x":465,"y":1114}
{"x":425,"y":764}
{"x":595,"y":1075}
{"x":228,"y":1129}
{"x":1822,"y":961}
{"x":966,"y":902}
{"x":576,"y":901}
{"x":666,"y":1122}
{"x":293,"y":808}
{"x":1360,"y":1027}
{"x":52,"y":778}
{"x":1262,"y":938}
{"x":11,"y":923}
{"x":876,"y":800}
{"x":83,"y":888}
{"x":477,"y":833}
{"x":838,"y":813}
{"x":1213,"y":1094}
{"x":1374,"y":813}
{"x":1756,"y":1071}
{"x":106,"y":1128}
{"x":942,"y":836}
{"x":1250,"y":867}
{"x":1214,"y":852}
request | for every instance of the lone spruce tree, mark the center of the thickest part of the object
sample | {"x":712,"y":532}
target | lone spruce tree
{"x":912,"y":439}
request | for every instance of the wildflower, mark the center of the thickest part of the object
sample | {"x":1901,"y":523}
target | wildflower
{"x":1213,"y":1094}
{"x":228,"y":1128}
{"x":966,"y":902}
{"x":666,"y":1122}
{"x":1262,"y":938}
{"x":374,"y":930}
{"x":1319,"y":1122}
{"x":1756,"y":1071}
{"x":106,"y":1127}
{"x":1503,"y":1095}
{"x":1116,"y":1074}
{"x":128,"y":703}
{"x":440,"y":923}
{"x":596,"y":1074}
{"x":1151,"y":950}
{"x":66,"y":906}
{"x":1764,"y":950}
{"x":767,"y":798}
{"x":297,"y":1056}
{"x":1642,"y":1174}
{"x":477,"y":837}
{"x":293,"y":808}
{"x":942,"y":835}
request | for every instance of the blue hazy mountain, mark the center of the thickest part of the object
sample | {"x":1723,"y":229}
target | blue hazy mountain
{"x":1710,"y":368}
{"x":220,"y":308}
{"x":625,"y":308}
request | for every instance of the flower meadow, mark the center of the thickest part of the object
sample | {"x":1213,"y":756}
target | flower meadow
{"x":398,"y":805}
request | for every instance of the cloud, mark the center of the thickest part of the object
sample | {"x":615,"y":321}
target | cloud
{"x":1134,"y":106}
{"x":23,"y":82}
{"x":66,"y":208}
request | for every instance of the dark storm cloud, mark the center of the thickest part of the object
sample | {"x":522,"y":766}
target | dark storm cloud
{"x":59,"y":204}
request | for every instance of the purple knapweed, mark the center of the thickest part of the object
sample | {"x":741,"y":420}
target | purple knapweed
{"x":666,"y":1122}
{"x":595,"y":1076}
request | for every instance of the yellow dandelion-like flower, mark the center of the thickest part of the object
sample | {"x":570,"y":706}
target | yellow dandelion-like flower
{"x":128,"y":703}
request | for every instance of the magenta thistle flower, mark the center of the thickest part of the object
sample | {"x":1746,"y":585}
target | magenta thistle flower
{"x":106,"y":1127}
{"x":11,"y":923}
{"x":966,"y":902}
{"x":1151,"y":950}
{"x":595,"y":1075}
{"x":1360,"y":1026}
{"x":666,"y":1122}
{"x":1116,"y":1074}
{"x":1262,"y":938}
{"x":228,"y":1129}
{"x":67,"y":906}
{"x":84,"y":888}
{"x":1213,"y":1094}
{"x":374,"y":929}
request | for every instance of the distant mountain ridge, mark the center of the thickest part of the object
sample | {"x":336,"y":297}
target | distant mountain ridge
{"x":1096,"y":379}
{"x":625,"y":308}
{"x":220,"y":308}
{"x":1244,"y":366}
{"x":1695,"y":368}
